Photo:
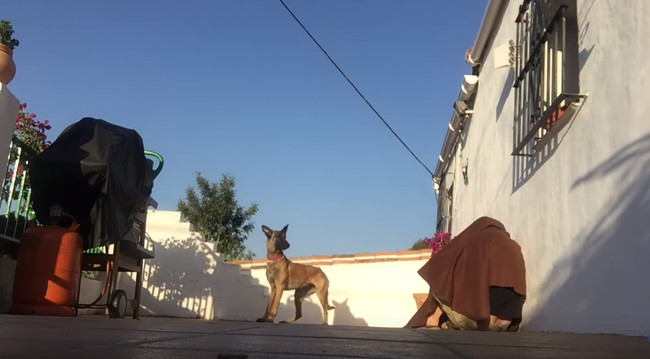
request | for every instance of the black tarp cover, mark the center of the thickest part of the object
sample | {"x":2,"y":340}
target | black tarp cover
{"x":97,"y":172}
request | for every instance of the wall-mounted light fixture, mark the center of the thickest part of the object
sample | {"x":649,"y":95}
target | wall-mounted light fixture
{"x":462,"y":110}
{"x":461,"y":136}
{"x":465,"y":170}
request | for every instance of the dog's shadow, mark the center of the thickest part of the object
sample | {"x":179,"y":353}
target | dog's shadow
{"x":311,"y":309}
{"x":343,"y":315}
{"x":312,"y":313}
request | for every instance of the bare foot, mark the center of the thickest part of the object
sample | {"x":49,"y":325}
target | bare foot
{"x":498,"y":324}
{"x":434,"y":319}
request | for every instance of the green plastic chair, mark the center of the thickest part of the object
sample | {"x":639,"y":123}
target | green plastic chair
{"x":155,"y":170}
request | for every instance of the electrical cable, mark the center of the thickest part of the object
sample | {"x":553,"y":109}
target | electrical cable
{"x":355,"y":88}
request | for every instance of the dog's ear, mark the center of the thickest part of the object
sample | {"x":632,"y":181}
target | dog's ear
{"x":284,"y":230}
{"x":268,"y":231}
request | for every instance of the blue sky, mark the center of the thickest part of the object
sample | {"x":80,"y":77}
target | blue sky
{"x":237,"y":87}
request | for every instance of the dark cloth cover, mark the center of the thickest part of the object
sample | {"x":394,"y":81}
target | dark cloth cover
{"x":97,"y":172}
{"x":461,"y":274}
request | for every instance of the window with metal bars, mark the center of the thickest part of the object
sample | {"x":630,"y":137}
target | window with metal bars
{"x":547,"y":69}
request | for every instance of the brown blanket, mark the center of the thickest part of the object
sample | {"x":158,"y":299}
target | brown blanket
{"x":460,"y":275}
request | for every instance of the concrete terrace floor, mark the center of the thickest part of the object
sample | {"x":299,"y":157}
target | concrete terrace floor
{"x":98,"y":337}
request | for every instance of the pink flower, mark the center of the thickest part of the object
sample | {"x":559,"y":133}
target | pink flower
{"x":439,"y":241}
{"x":30,"y":131}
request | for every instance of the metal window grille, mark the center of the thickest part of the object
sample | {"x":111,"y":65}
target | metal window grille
{"x":546,"y":83}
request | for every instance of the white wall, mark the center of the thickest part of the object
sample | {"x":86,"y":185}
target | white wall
{"x":581,"y":216}
{"x":187,"y":278}
{"x":8,"y":112}
{"x":378,"y":294}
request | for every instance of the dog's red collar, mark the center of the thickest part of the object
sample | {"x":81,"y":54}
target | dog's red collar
{"x":275,"y":257}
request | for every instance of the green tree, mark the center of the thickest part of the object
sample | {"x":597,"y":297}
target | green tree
{"x":216,"y":214}
{"x":419,"y":245}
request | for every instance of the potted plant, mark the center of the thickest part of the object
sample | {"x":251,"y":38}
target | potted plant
{"x":29,"y":139}
{"x":7,"y":45}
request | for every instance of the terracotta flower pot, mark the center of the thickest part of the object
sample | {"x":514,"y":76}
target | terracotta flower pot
{"x":7,"y":65}
{"x":420,"y":298}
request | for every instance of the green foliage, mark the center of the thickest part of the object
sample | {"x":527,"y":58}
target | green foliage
{"x":215,"y":213}
{"x":6,"y":32}
{"x":419,"y":245}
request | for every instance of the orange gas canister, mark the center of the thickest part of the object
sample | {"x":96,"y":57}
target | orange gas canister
{"x":48,"y":271}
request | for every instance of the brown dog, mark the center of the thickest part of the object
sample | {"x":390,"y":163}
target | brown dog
{"x":285,"y":275}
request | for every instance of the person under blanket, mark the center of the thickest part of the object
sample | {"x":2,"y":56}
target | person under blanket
{"x":477,"y":281}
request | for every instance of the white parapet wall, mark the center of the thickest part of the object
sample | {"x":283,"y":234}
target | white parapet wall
{"x":374,"y":289}
{"x":188,"y":278}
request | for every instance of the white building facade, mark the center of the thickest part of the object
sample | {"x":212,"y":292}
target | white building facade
{"x":552,"y":139}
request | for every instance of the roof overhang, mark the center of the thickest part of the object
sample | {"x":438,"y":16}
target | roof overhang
{"x":458,"y":119}
{"x":491,"y":19}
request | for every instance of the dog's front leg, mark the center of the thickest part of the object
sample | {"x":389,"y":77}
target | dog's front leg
{"x":275,"y":303}
{"x":265,"y":318}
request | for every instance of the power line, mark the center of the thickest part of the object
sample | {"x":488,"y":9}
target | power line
{"x":355,"y":87}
